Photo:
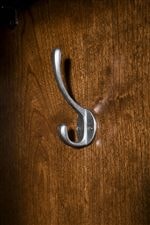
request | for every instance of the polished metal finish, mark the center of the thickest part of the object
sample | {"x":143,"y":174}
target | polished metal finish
{"x":86,"y":126}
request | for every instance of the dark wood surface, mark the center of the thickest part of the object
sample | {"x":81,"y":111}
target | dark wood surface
{"x":106,"y":55}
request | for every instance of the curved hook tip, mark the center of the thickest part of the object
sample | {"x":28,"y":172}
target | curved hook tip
{"x":57,"y":54}
{"x":63,"y":131}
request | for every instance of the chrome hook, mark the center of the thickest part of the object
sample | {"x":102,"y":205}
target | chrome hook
{"x":86,"y":127}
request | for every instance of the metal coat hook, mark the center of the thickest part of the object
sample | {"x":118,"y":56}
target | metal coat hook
{"x":86,"y":126}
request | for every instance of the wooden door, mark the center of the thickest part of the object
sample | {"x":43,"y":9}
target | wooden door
{"x":105,"y":45}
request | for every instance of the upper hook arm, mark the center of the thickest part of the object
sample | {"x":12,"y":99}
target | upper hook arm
{"x":58,"y":76}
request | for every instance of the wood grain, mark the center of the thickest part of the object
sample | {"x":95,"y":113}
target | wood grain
{"x":43,"y":181}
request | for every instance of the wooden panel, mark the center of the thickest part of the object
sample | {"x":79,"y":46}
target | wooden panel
{"x":43,"y":181}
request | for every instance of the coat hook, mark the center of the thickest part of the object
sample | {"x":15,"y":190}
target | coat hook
{"x":86,"y":126}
